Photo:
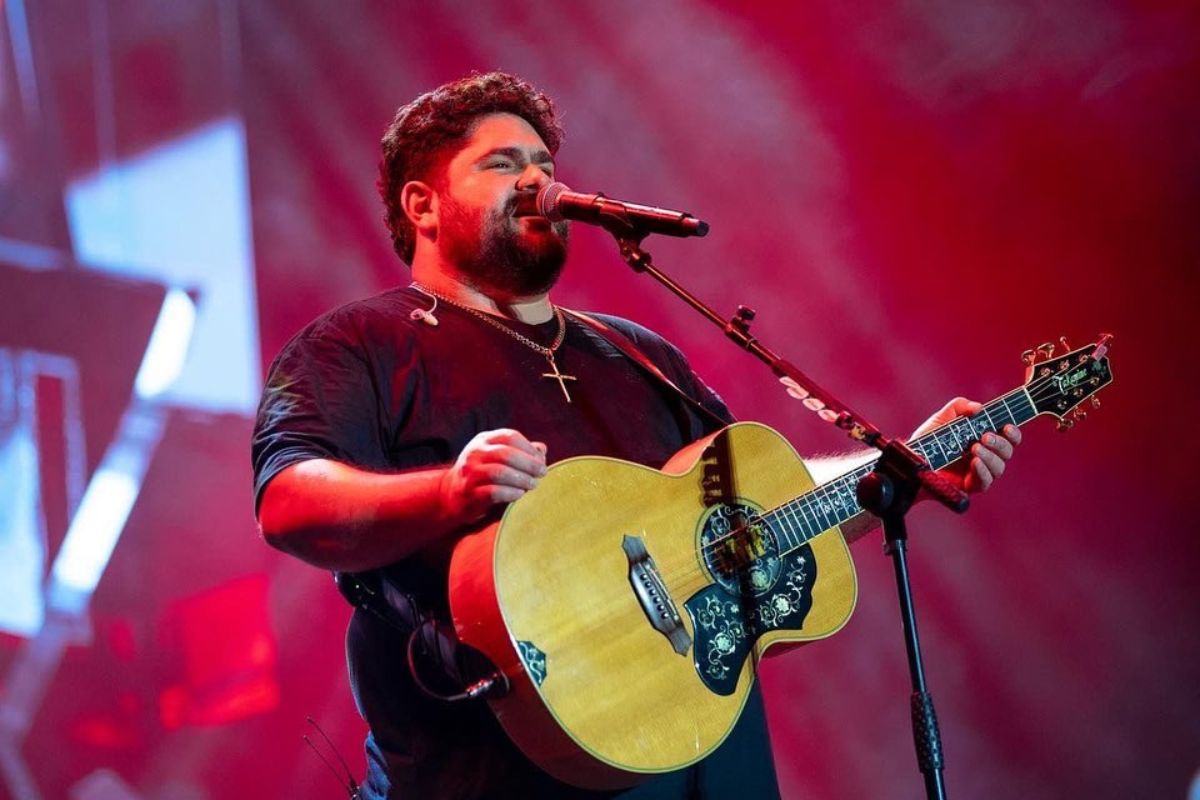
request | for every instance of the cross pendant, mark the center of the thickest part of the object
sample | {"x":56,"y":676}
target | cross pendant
{"x":558,"y":376}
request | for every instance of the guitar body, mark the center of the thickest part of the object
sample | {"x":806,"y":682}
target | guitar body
{"x":611,"y":682}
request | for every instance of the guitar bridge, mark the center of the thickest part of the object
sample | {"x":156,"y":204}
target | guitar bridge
{"x":652,"y":594}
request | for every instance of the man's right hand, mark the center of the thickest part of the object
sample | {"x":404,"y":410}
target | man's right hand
{"x":495,"y":467}
{"x":340,"y":517}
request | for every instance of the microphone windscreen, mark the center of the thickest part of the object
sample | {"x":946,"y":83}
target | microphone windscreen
{"x":547,"y":201}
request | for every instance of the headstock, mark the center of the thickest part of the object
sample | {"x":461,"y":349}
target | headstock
{"x":1058,"y":385}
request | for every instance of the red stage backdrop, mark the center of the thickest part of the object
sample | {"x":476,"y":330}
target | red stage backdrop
{"x":909,"y":194}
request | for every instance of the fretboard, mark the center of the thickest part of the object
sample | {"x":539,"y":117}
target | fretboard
{"x":800,"y":519}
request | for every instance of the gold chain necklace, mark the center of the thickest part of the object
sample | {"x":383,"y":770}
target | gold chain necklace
{"x":546,"y":352}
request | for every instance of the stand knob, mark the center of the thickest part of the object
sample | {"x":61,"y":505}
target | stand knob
{"x":742,"y":318}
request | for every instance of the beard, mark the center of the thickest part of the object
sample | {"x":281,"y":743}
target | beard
{"x":489,"y":248}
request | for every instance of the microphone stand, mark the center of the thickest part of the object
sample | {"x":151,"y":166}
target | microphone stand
{"x":888,"y":491}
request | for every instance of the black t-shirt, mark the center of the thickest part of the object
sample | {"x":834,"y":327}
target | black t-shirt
{"x":368,"y":385}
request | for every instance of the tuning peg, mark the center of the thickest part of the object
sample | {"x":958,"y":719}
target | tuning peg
{"x":1063,"y":341}
{"x":1065,"y":425}
{"x":1095,"y":401}
{"x":1102,"y":346}
{"x":1038,"y":354}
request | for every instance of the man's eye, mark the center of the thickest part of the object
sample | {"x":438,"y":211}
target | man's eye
{"x":500,"y":163}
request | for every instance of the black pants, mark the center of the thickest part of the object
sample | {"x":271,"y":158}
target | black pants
{"x":742,"y":768}
{"x":422,"y":749}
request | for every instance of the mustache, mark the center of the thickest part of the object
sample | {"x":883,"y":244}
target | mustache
{"x":523,"y":205}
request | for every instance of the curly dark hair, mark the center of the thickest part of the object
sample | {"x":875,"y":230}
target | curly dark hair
{"x":423,"y":132}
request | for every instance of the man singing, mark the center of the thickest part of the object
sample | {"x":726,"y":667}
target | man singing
{"x":392,"y":425}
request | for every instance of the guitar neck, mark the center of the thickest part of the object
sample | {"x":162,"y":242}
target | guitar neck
{"x":832,"y":503}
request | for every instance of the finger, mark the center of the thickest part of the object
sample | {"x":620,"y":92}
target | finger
{"x":962,"y":407}
{"x":998,"y":445}
{"x":993,"y":462}
{"x":1012,"y":433}
{"x":982,"y":476}
{"x":501,"y":475}
{"x":513,"y":438}
{"x":502,"y":494}
{"x":958,"y":407}
{"x":534,"y":465}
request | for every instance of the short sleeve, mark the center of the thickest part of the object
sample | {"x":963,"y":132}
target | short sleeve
{"x":320,"y":401}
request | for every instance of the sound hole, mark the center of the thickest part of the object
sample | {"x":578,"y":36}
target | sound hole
{"x":739,"y":550}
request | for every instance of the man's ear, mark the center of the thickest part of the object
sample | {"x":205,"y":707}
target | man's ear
{"x":420,"y":204}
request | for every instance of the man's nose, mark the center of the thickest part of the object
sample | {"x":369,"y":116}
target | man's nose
{"x":533,"y":178}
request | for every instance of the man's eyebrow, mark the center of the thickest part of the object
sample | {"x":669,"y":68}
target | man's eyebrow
{"x":517,"y":154}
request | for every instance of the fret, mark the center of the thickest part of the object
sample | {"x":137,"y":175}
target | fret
{"x":810,"y":527}
{"x":840,"y":496}
{"x":814,"y":527}
{"x":924,"y":450}
{"x":778,"y":525}
{"x":796,"y":509}
{"x":992,"y":426}
{"x":822,"y":507}
{"x":795,"y":528}
{"x":790,"y":527}
{"x":937,"y":459}
{"x":920,"y":447}
{"x":785,"y":524}
{"x":1007,"y":410}
{"x":1028,"y":409}
{"x":965,"y":437}
{"x":831,"y":503}
{"x":945,"y":444}
{"x":836,"y":501}
{"x":836,"y":496}
{"x":966,"y":433}
{"x":814,"y":506}
{"x":796,"y":536}
{"x":1021,"y":406}
{"x":948,"y":442}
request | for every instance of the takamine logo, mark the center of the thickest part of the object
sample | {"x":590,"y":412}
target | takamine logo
{"x":1070,"y":381}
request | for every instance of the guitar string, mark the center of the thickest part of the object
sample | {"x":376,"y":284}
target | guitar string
{"x":823,"y":489}
{"x":1033,"y":389}
{"x":929,"y":435}
{"x":802,"y":518}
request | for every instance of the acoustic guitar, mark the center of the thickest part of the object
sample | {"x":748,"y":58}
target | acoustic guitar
{"x":627,"y":607}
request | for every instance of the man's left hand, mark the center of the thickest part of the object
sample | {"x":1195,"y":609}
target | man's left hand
{"x":988,"y":456}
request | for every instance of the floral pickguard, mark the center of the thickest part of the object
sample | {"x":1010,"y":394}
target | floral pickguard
{"x":726,"y":624}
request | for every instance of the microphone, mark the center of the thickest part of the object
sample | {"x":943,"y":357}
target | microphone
{"x":556,"y":202}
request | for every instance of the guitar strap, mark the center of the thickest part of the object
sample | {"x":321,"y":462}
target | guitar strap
{"x":631,"y":351}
